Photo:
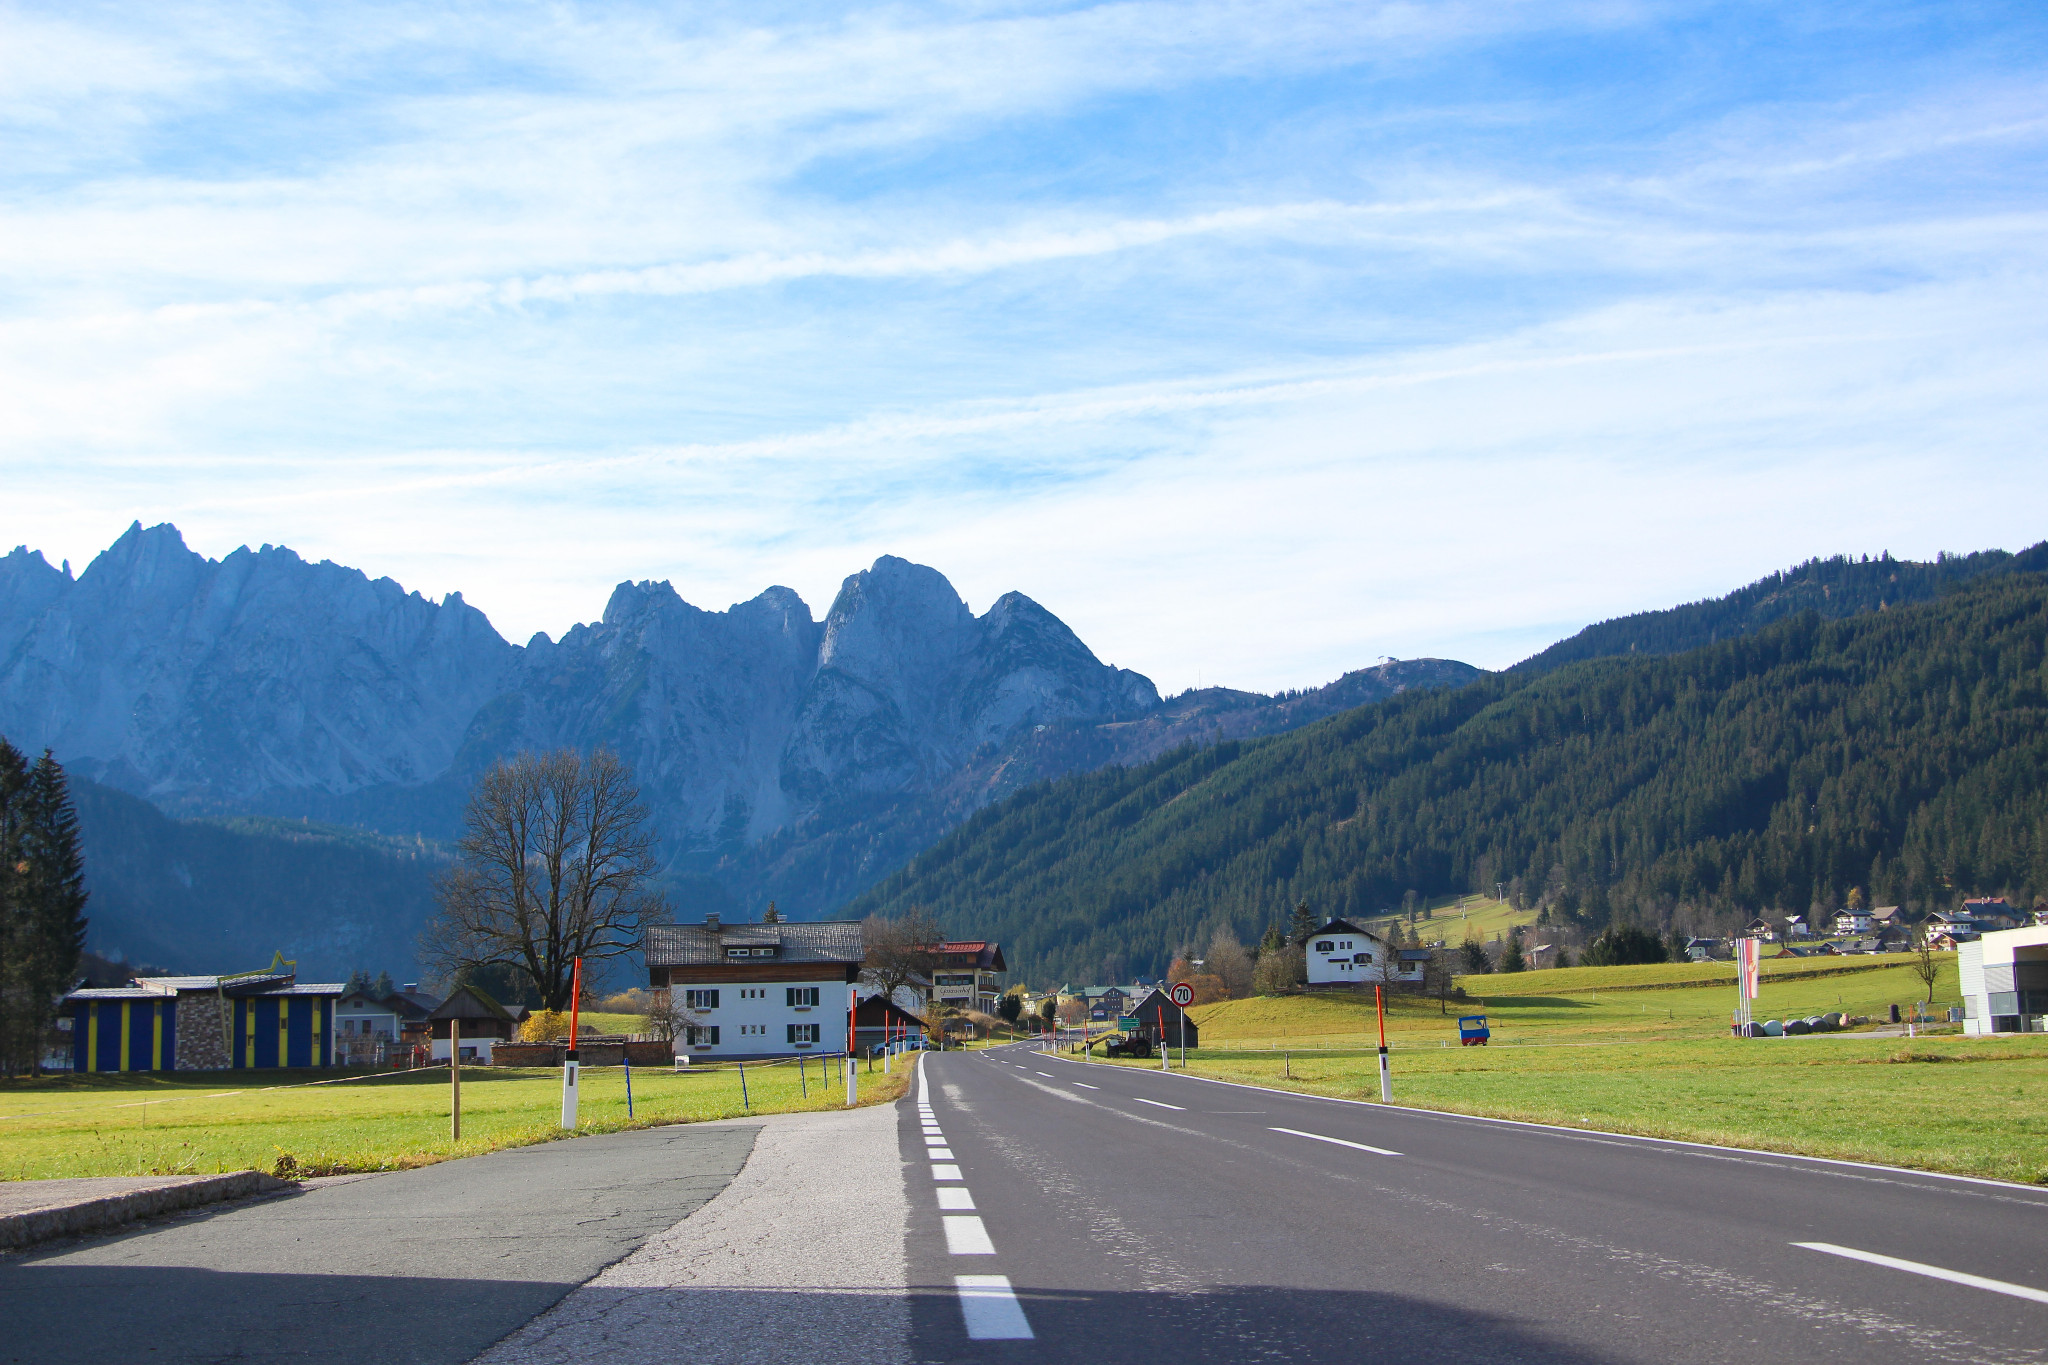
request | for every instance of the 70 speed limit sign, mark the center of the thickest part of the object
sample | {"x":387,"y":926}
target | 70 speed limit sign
{"x":1182,"y":994}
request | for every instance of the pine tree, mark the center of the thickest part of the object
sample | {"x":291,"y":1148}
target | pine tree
{"x":16,"y":939}
{"x":1303,"y":924}
{"x":382,"y":987}
{"x":1511,"y":959}
{"x":52,"y":898}
{"x":1274,"y":941}
{"x":1475,"y":961}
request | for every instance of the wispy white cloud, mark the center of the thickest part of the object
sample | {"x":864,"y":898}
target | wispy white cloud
{"x":1258,"y":339}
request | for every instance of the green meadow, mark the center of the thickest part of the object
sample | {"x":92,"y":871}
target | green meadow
{"x":1646,"y":1050}
{"x":297,"y":1122}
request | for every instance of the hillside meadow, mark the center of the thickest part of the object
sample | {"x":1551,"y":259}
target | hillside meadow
{"x":1645,"y":1050}
{"x":150,"y":1124}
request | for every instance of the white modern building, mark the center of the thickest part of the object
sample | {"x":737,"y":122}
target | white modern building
{"x":746,"y":991}
{"x":2005,"y":981}
{"x":1342,"y":954}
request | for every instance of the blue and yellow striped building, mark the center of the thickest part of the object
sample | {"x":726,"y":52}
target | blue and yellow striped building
{"x":203,"y":1023}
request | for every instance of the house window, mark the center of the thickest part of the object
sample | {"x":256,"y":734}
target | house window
{"x":1326,"y":946}
{"x":802,"y":1034}
{"x":801,"y":997}
{"x":700,"y":1000}
{"x":701,"y":1035}
{"x":1361,"y":957}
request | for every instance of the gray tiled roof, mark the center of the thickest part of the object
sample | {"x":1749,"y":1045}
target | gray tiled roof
{"x":701,"y":945}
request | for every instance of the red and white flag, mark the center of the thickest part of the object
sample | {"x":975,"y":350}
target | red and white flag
{"x":1748,"y":952}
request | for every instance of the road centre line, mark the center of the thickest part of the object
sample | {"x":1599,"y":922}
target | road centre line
{"x":1046,"y":1074}
{"x":1339,"y":1142}
{"x":2018,"y":1291}
{"x":1602,"y":1135}
{"x":940,"y":1172}
{"x":1157,"y":1104}
{"x":956,"y":1199}
{"x":1085,"y":1086}
{"x":965,"y":1235}
{"x":989,"y":1306}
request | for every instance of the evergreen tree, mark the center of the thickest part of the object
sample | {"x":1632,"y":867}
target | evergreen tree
{"x":1511,"y":959}
{"x":1274,"y":941}
{"x":1624,"y":945}
{"x":1564,"y":957}
{"x":42,"y":903}
{"x":358,"y":983}
{"x":773,"y":916}
{"x":16,"y":938}
{"x":382,"y":987}
{"x":1303,"y":924}
{"x":1473,"y":958}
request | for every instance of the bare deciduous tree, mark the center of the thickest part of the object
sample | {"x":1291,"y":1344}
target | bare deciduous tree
{"x":1282,"y":970}
{"x":1925,"y":964}
{"x":1228,"y":960}
{"x":899,"y":950}
{"x":554,"y":864}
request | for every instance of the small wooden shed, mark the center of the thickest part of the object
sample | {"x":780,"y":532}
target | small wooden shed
{"x":485,"y":1024}
{"x":1164,"y":1022}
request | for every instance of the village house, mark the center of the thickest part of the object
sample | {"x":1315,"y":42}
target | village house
{"x":368,"y":1028}
{"x":964,"y":975}
{"x":2004,"y":977}
{"x":1163,"y":1023}
{"x":1342,"y":954}
{"x":747,"y":991}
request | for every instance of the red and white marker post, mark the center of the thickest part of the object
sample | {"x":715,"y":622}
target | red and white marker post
{"x":852,"y":1084}
{"x":570,"y":1064}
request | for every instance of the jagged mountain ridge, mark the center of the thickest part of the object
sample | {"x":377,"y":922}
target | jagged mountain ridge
{"x":262,"y":682}
{"x":783,"y":757}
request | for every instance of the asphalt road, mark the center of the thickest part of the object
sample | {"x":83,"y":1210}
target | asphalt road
{"x":423,"y":1267}
{"x":1117,"y":1213}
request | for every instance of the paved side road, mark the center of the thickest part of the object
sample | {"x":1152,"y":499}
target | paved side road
{"x":425,"y":1267}
{"x":801,"y":1259}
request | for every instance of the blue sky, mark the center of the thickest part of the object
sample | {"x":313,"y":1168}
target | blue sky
{"x":1257,"y":341}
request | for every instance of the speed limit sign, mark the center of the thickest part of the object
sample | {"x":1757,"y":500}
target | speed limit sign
{"x":1182,"y":994}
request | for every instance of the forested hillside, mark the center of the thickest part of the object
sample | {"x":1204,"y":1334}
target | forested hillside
{"x":1830,"y":588}
{"x":223,"y":895}
{"x":1903,"y":750}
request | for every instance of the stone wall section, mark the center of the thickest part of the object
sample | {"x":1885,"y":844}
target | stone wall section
{"x":199,"y":1040}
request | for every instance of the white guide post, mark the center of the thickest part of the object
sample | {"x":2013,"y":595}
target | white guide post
{"x":570,"y":1066}
{"x":852,"y":1085}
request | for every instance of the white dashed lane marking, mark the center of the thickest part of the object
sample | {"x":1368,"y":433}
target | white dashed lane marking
{"x":1085,"y":1086}
{"x":956,"y":1199}
{"x":2018,"y":1291}
{"x":991,"y":1309}
{"x":1337,"y":1142}
{"x":965,"y":1235}
{"x":1157,"y":1104}
{"x":946,"y":1173}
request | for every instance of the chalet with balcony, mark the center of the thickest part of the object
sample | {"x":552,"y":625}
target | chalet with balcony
{"x":748,"y":991}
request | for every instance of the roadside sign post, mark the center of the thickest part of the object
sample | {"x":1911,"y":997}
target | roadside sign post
{"x":1379,"y":996}
{"x":571,"y":1064}
{"x":455,"y":1080}
{"x":852,"y":1075}
{"x":1182,"y":996}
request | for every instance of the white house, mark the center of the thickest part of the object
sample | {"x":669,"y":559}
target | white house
{"x":1342,"y":954}
{"x":2005,"y":981}
{"x":1852,"y":922}
{"x":744,"y":991}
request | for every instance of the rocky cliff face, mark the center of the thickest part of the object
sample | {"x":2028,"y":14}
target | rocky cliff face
{"x":263,"y":682}
{"x":185,"y":679}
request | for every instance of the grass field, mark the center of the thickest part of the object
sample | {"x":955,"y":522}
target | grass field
{"x":146,"y":1124}
{"x":1646,"y":1050}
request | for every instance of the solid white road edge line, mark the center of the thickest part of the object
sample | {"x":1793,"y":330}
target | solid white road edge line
{"x":1602,"y":1134}
{"x":1156,"y":1104}
{"x":1338,"y":1142}
{"x":965,"y":1236}
{"x":990,"y":1308}
{"x":2018,"y":1291}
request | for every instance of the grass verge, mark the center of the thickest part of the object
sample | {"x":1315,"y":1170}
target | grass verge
{"x":148,"y":1124}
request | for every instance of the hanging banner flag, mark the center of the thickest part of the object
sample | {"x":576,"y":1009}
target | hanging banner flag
{"x":1748,"y":952}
